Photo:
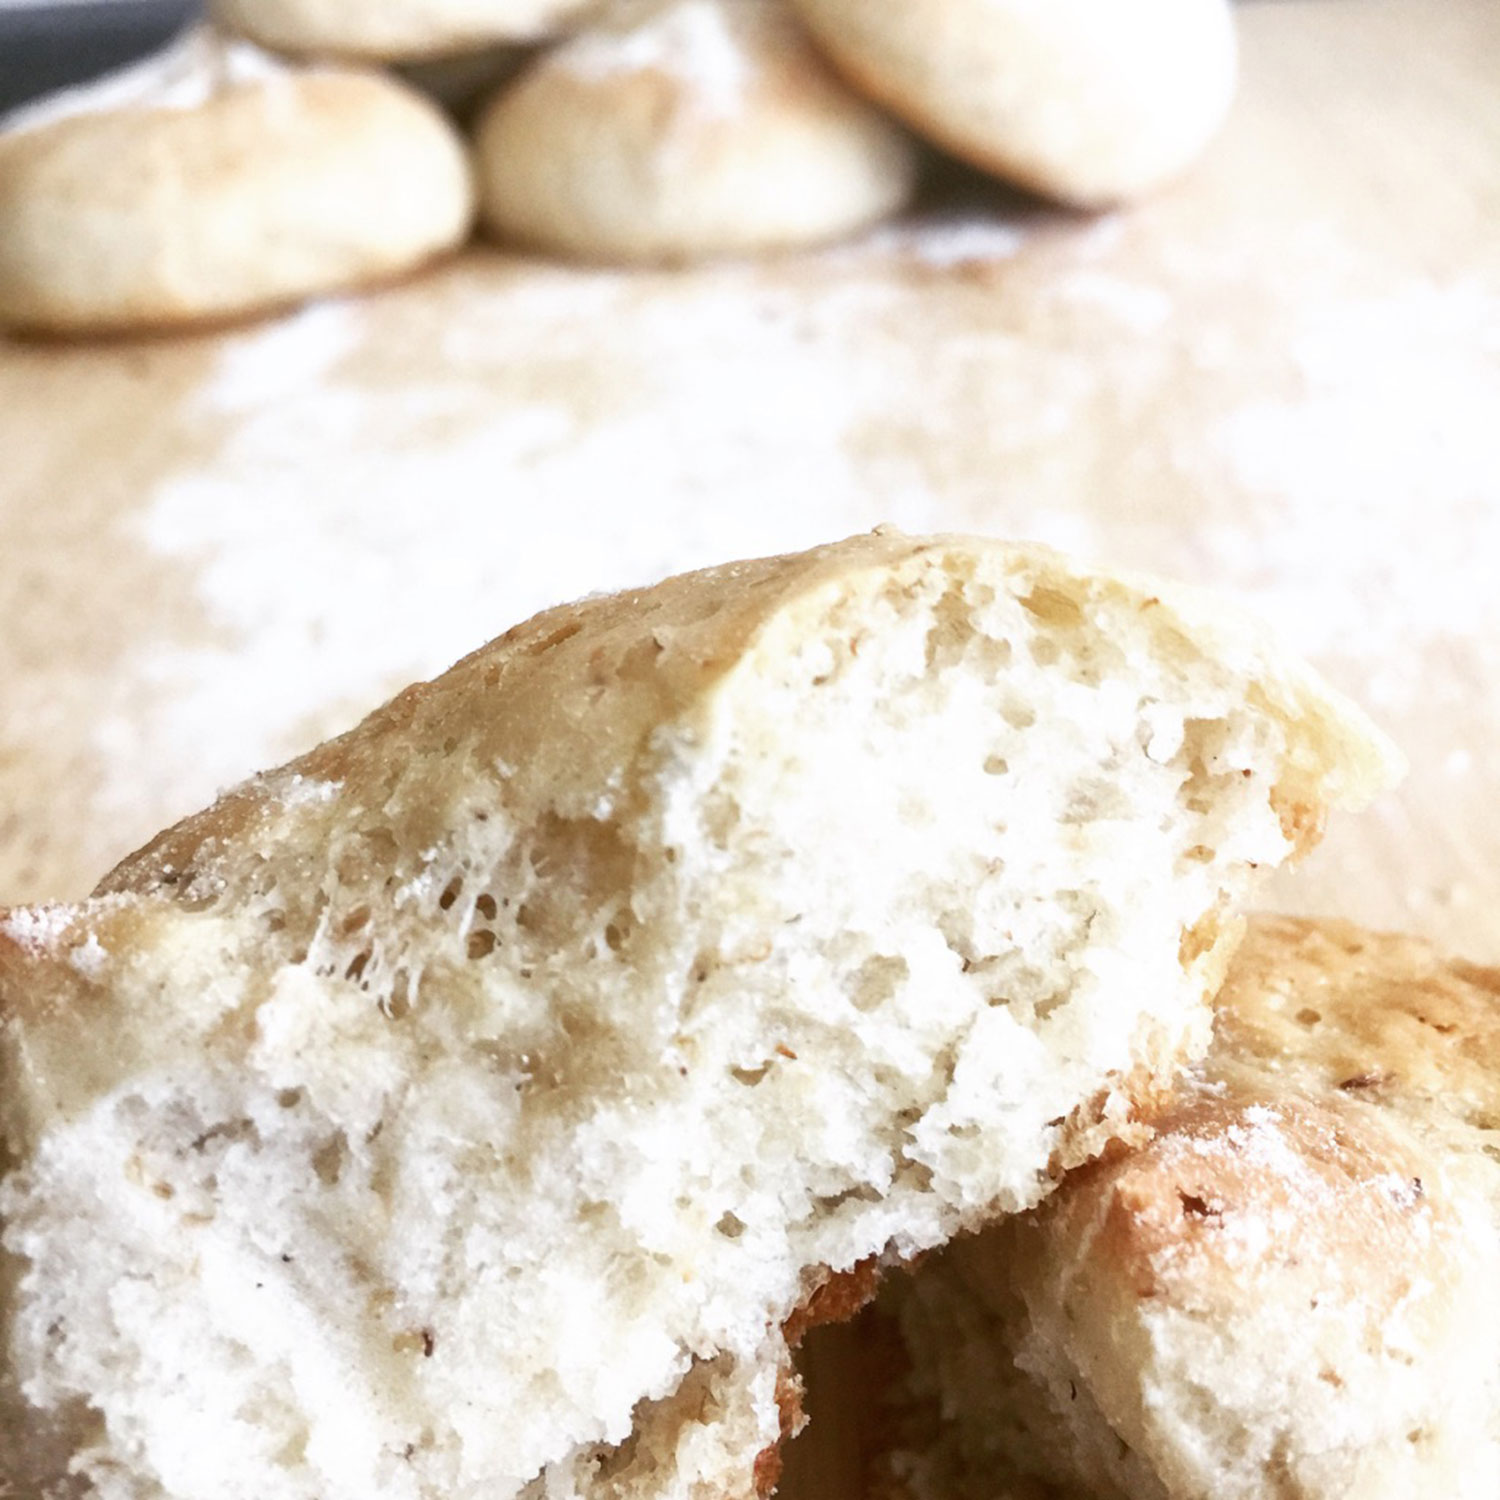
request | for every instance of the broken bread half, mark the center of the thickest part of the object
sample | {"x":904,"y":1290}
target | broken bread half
{"x":480,"y":1105}
{"x":1294,"y":1289}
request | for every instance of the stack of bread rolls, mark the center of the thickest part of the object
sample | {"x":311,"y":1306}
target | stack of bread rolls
{"x":285,"y":150}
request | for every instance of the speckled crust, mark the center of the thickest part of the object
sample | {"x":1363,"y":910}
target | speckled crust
{"x":270,"y":190}
{"x":1292,"y":1288}
{"x":1085,"y":101}
{"x":561,"y":703}
{"x":505,"y":952}
{"x":1376,"y":1017}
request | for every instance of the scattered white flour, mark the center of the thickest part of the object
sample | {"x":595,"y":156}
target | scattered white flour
{"x":693,"y":42}
{"x":198,"y":65}
{"x":36,"y":928}
{"x":1247,"y":1230}
{"x":353,"y":533}
{"x":291,"y":357}
{"x":89,"y":957}
{"x":303,"y":791}
{"x":1397,"y":419}
{"x":942,"y":241}
{"x":1403,"y":1192}
{"x":349,"y":538}
{"x":1143,"y":309}
{"x":1262,"y":1142}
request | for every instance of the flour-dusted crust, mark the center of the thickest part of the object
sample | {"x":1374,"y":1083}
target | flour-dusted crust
{"x":393,"y":30}
{"x":1090,"y":101}
{"x":487,"y":1100}
{"x":1295,"y":1288}
{"x":672,"y":130}
{"x":217,"y":183}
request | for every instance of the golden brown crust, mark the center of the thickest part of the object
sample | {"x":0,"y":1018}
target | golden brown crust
{"x":835,"y":1299}
{"x":1162,"y":1230}
{"x":1339,"y":1052}
{"x":1328,"y":1177}
{"x":1378,"y":1016}
{"x":1337,"y":1028}
{"x":771,"y":1460}
{"x":1346,"y":1035}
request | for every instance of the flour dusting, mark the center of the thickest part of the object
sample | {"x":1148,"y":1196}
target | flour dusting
{"x":37,"y":928}
{"x":1143,"y":309}
{"x":693,"y":42}
{"x":1395,"y":420}
{"x":292,"y":357}
{"x":89,"y":957}
{"x":350,"y":537}
{"x":356,"y":531}
{"x":944,"y":241}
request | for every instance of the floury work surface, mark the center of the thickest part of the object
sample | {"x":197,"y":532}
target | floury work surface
{"x":1278,"y":379}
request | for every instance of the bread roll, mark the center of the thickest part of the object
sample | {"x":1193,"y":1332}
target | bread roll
{"x":392,"y":30}
{"x":483,"y":1103}
{"x":1293,"y":1290}
{"x":214,"y":182}
{"x":679,"y":129}
{"x":1092,"y":102}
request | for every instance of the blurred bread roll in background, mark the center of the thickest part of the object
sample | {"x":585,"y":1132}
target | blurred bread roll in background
{"x":392,"y":30}
{"x":1293,"y":1290}
{"x":679,"y":129}
{"x":215,"y":181}
{"x":1091,"y":102}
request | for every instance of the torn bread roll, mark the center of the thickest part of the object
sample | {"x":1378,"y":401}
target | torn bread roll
{"x":1294,"y":1289}
{"x":483,"y":1102}
{"x":213,"y":182}
{"x":1093,"y":102}
{"x":675,"y":130}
